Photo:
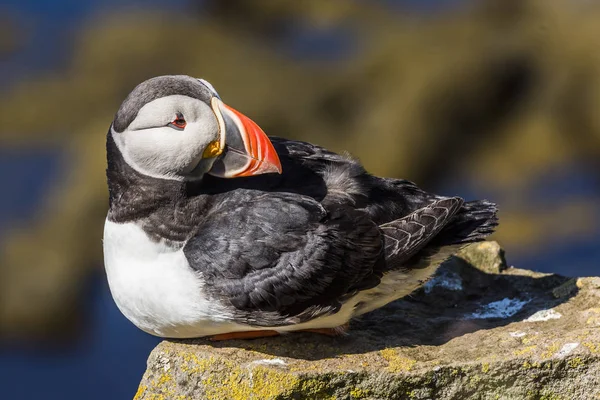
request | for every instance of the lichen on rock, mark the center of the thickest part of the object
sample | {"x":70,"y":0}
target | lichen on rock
{"x":421,"y":347}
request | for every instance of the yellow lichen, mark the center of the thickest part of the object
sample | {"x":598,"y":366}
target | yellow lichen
{"x":191,"y":363}
{"x":474,"y":380}
{"x":163,"y":380}
{"x":527,"y":340}
{"x":594,"y":348}
{"x":529,"y":365}
{"x":357,"y":393}
{"x":525,"y":351}
{"x":485,"y":368}
{"x":575,"y":362}
{"x":268,"y":382}
{"x":553,"y":348}
{"x":396,"y":362}
{"x":593,"y":320}
{"x":162,"y":387}
{"x":140,"y":392}
{"x":224,"y":379}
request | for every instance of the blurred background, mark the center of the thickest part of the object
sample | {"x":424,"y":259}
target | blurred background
{"x":496,"y":99}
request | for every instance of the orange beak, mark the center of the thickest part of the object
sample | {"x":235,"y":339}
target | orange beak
{"x":247,"y":149}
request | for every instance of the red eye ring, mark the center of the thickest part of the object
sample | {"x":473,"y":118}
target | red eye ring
{"x":179,"y":122}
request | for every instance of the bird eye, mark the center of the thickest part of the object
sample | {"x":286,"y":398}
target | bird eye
{"x":178,"y":123}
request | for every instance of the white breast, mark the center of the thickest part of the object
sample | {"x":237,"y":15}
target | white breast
{"x":154,"y":287}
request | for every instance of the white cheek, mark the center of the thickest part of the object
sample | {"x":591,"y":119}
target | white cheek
{"x":155,"y":149}
{"x":167,"y":151}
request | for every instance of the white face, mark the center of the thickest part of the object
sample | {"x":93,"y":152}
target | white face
{"x":168,"y":137}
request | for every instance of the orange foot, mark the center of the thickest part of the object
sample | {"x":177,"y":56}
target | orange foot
{"x":333,"y":332}
{"x":242,"y":335}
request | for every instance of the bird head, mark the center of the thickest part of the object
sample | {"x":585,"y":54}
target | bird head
{"x":177,"y":127}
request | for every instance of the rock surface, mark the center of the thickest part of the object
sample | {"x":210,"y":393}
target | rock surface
{"x":477,"y":330}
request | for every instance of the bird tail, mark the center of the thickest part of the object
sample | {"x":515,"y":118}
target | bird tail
{"x":472,"y":223}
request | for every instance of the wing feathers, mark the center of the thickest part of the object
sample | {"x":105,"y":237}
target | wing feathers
{"x":404,"y":237}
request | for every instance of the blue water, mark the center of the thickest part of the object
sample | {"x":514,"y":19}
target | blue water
{"x":569,"y":256}
{"x":106,"y":362}
{"x":574,"y":256}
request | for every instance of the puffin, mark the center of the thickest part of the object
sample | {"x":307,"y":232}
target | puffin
{"x":216,"y":230}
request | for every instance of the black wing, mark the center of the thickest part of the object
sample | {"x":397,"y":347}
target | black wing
{"x":405,"y":237}
{"x":281,"y":258}
{"x":385,"y":200}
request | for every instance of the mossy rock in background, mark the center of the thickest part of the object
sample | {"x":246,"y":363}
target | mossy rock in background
{"x":482,"y":331}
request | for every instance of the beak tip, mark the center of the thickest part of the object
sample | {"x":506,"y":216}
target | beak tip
{"x":258,"y":152}
{"x":273,"y":161}
{"x":268,"y":166}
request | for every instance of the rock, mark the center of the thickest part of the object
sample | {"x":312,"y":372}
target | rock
{"x":497,"y":335}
